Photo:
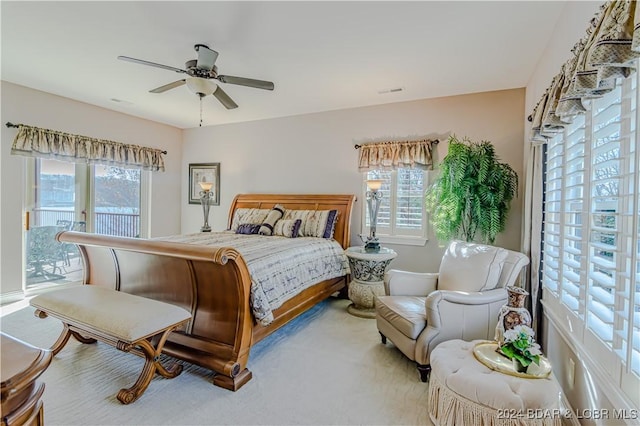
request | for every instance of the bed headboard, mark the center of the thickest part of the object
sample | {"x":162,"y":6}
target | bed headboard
{"x":341,"y":202}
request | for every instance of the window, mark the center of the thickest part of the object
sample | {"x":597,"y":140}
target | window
{"x":116,"y":197}
{"x":401,"y":218}
{"x":591,"y":242}
{"x":79,"y":197}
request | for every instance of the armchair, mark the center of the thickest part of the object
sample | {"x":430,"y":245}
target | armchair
{"x":461,"y":301}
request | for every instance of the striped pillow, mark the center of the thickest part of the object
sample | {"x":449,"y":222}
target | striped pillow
{"x":270,"y":221}
{"x":322,"y":224}
{"x":299,"y":214}
{"x":287,"y":228}
{"x":315,"y":223}
{"x":248,"y":216}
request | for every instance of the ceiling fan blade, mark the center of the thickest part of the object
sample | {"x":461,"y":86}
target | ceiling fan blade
{"x":258,"y":84}
{"x":206,"y":57}
{"x":224,"y":99}
{"x":169,"y":86}
{"x":151,"y":64}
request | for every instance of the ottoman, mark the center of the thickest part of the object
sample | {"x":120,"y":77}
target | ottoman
{"x":462,"y":391}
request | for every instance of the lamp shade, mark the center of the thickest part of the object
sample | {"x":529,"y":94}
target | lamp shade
{"x":374,"y":184}
{"x":201,"y":86}
{"x":206,"y":186}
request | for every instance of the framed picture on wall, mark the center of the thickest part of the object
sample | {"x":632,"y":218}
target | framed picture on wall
{"x":206,"y":173}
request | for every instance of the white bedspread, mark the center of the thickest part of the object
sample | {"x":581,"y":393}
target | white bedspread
{"x":280,"y":267}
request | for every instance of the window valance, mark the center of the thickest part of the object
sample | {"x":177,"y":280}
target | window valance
{"x":606,"y":52}
{"x":44,"y":143}
{"x":393,"y":155}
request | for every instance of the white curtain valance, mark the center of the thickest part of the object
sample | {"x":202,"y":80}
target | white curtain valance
{"x":606,"y":52}
{"x":44,"y":143}
{"x":394,"y":155}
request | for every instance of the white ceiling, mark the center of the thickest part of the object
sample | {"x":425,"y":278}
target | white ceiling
{"x":320,"y":55}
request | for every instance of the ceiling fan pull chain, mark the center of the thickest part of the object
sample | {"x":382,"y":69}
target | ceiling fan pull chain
{"x":201,"y":96}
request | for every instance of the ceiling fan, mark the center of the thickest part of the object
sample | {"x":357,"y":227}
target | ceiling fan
{"x":199,"y":72}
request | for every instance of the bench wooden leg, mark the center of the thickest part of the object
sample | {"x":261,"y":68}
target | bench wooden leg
{"x":65,"y":335}
{"x":62,"y":340}
{"x":151,"y":366}
{"x":80,"y":338}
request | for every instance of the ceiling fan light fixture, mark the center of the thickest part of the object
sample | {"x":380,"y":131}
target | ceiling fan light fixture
{"x":200,"y":86}
{"x":199,"y":73}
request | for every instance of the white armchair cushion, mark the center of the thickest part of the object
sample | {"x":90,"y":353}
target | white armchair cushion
{"x":406,"y":313}
{"x":404,"y":283}
{"x":471,"y":267}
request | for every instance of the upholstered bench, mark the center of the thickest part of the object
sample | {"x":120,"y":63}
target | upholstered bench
{"x":462,"y":391}
{"x":130,"y":323}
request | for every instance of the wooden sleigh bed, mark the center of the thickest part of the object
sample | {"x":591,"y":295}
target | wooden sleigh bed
{"x":213,"y":283}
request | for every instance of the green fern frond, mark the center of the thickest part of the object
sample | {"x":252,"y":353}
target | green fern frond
{"x":472,"y":195}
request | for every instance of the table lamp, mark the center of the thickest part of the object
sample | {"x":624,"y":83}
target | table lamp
{"x":374,"y":197}
{"x":206,"y":195}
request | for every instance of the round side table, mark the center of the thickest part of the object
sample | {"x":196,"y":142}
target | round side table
{"x":367,"y":278}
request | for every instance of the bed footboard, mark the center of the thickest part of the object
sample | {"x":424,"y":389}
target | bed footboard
{"x":212,"y":283}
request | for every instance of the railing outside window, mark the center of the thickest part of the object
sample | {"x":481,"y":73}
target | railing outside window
{"x":118,"y":224}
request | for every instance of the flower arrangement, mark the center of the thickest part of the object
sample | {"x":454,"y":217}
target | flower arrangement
{"x":519,"y":345}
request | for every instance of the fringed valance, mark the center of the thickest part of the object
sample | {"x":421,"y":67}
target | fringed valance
{"x":45,"y":143}
{"x":394,"y":155}
{"x":606,"y":52}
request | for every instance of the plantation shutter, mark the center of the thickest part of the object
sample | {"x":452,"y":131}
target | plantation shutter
{"x":384,"y":212}
{"x":614,"y":285}
{"x":401,"y":209}
{"x":552,"y":214}
{"x":573,"y":251}
{"x":410,"y":197}
{"x":628,"y":321}
{"x":605,"y":215}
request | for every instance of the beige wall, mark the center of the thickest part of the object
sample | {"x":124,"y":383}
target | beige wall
{"x":313,"y":153}
{"x":27,"y":106}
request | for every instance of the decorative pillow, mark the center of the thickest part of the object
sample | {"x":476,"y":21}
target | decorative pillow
{"x":315,"y":223}
{"x":332,"y":219}
{"x":248,"y":228}
{"x":269,"y":222}
{"x":298,"y":214}
{"x":287,"y":228}
{"x":248,"y":215}
{"x":321,"y":224}
{"x":471,"y":267}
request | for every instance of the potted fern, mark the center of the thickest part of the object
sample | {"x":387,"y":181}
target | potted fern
{"x":471,"y":197}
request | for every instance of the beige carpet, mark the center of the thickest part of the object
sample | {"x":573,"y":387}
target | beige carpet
{"x":325,"y":368}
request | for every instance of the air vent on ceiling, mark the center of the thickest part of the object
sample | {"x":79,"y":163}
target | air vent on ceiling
{"x":120,"y":101}
{"x":394,"y":90}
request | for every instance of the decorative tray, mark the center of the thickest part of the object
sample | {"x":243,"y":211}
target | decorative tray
{"x":488,"y":354}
